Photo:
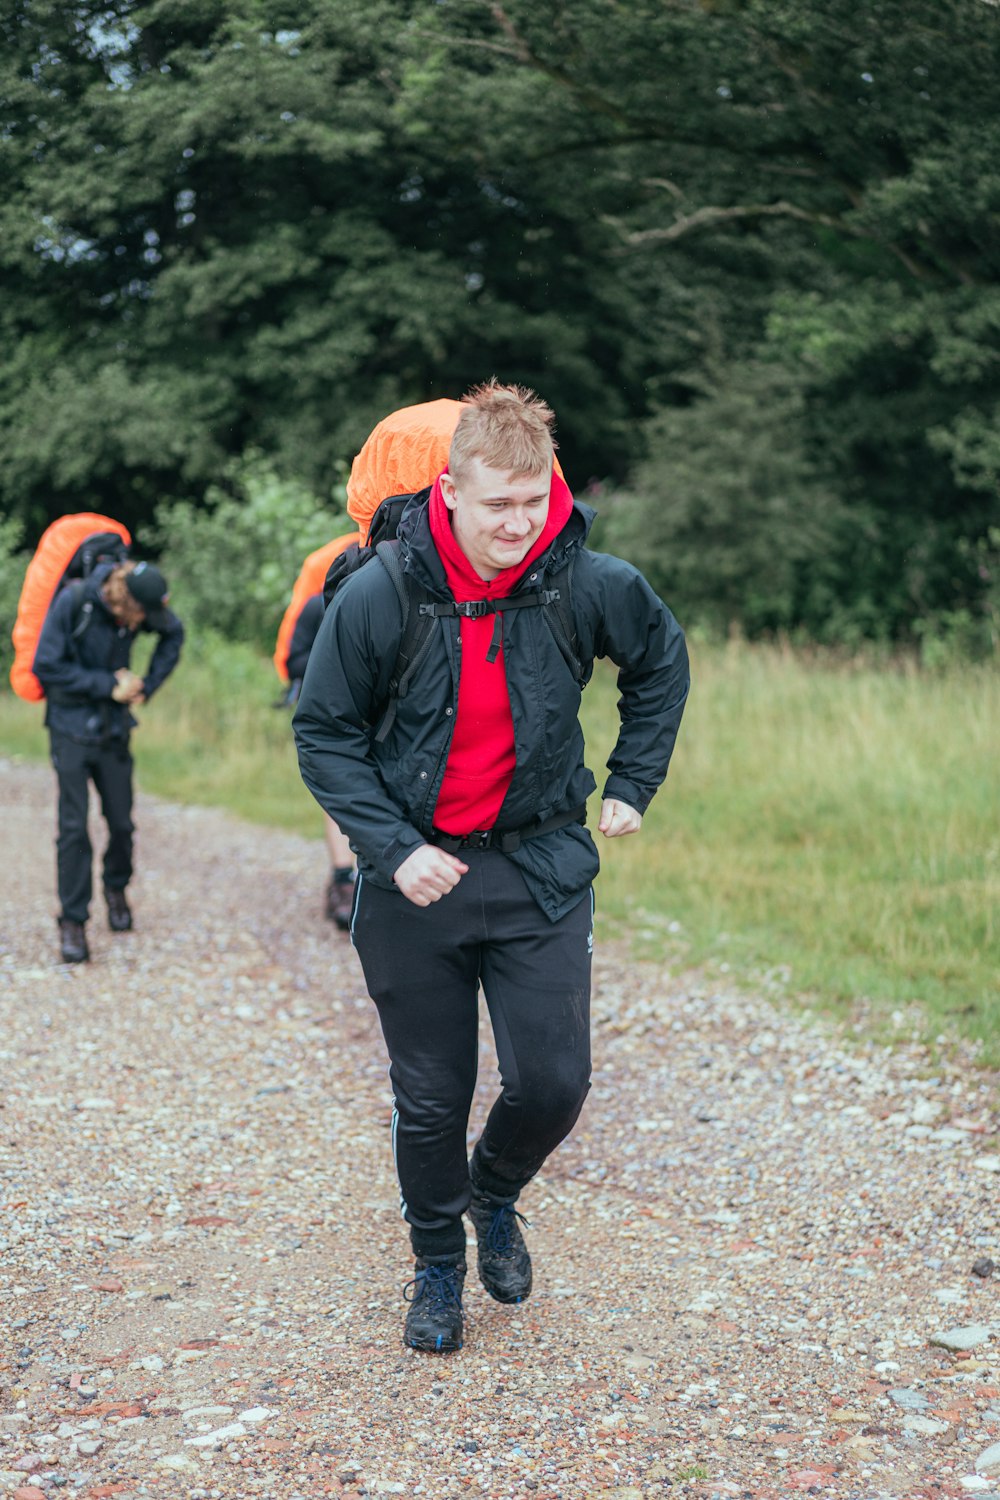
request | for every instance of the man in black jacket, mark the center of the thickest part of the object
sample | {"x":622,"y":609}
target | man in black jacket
{"x":466,"y":808}
{"x":82,"y":662}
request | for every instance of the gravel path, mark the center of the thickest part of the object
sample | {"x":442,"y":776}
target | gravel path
{"x":744,"y":1256}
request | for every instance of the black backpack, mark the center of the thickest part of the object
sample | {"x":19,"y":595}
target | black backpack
{"x":102,"y":547}
{"x":421,"y":610}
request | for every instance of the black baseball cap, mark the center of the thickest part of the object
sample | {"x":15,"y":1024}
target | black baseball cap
{"x":148,"y":588}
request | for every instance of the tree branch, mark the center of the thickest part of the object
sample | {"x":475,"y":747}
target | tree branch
{"x":530,"y":58}
{"x":704,"y":218}
{"x":665,"y":184}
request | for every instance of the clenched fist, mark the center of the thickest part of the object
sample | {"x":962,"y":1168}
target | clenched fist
{"x":428,"y":874}
{"x":129,"y":686}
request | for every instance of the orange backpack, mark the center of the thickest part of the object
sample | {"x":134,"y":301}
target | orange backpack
{"x":312,"y":576}
{"x":405,"y":453}
{"x":69,"y":548}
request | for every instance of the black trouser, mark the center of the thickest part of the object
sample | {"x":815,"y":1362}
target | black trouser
{"x":110,"y":768}
{"x":424,"y":967}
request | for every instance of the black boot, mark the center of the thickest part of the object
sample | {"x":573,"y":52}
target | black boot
{"x":434,"y":1318}
{"x":119,"y":916}
{"x":504,"y":1262}
{"x":73,"y":942}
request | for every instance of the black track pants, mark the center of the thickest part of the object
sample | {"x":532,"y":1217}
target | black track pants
{"x":424,"y":967}
{"x":110,"y":768}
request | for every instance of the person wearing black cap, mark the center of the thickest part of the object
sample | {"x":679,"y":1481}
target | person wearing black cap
{"x":82,"y":662}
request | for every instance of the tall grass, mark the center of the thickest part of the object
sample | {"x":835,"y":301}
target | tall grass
{"x":832,"y":824}
{"x":838,"y":823}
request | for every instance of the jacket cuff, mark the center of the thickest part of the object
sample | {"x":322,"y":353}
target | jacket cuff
{"x":399,"y":850}
{"x":626,"y":791}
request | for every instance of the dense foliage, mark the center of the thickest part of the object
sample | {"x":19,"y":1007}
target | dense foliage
{"x":747,"y":248}
{"x":230,"y":561}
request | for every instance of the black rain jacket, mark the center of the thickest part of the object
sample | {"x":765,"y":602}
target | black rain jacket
{"x":384,"y":795}
{"x":78,"y":671}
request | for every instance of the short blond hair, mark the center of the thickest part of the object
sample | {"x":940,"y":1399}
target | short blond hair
{"x":507,"y":427}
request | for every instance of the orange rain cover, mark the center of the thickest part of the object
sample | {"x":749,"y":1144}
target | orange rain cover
{"x":404,"y":453}
{"x":312,"y":576}
{"x":53,"y":556}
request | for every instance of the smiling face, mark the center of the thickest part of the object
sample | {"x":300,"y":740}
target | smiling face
{"x":496,"y":519}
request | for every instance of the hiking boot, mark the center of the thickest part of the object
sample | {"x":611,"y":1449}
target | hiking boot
{"x":73,"y":942}
{"x":340,"y":902}
{"x":119,"y":916}
{"x":434,"y":1319}
{"x":504,"y":1262}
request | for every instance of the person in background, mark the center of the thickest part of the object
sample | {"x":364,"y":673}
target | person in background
{"x":468,"y":817}
{"x":339,"y":898}
{"x":83,"y":663}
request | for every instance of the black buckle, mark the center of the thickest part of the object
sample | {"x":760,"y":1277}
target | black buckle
{"x":474,"y":609}
{"x":480,"y":839}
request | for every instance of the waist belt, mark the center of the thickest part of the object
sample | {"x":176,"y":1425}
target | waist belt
{"x":507,"y":840}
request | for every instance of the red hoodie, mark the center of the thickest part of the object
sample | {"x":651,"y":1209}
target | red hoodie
{"x":481,"y":759}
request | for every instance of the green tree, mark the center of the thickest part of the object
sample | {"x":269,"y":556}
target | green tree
{"x":221,"y":236}
{"x":236,"y":224}
{"x":232,"y":561}
{"x":808,"y":189}
{"x":728,"y":514}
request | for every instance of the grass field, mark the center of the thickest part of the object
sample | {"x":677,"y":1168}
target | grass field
{"x":838,"y":825}
{"x":830,"y":829}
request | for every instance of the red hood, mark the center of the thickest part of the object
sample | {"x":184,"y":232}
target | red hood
{"x":463,"y":580}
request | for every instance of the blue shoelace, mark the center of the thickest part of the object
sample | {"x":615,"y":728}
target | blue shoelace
{"x":500,"y":1235}
{"x":437,"y":1284}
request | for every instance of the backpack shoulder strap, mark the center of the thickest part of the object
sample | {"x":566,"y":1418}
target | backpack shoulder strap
{"x":557,"y":600}
{"x":417,"y":633}
{"x":562,"y":621}
{"x":421,"y":613}
{"x":81,"y":610}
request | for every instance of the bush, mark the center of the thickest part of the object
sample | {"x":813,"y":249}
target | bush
{"x":13,"y":566}
{"x":728,"y":517}
{"x":948,"y":637}
{"x":232,"y":561}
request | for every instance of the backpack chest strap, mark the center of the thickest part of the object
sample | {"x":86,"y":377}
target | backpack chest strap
{"x":477,"y":609}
